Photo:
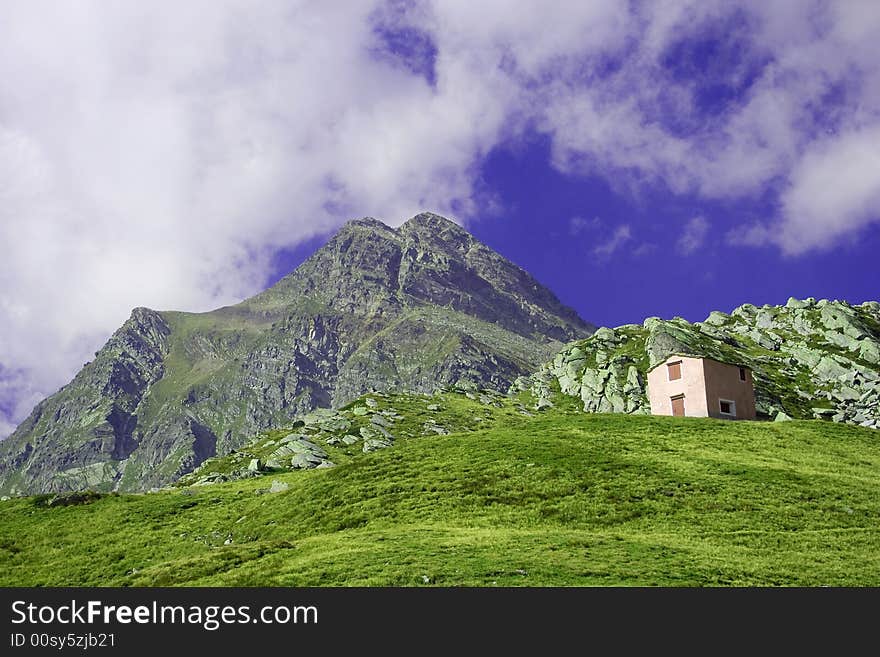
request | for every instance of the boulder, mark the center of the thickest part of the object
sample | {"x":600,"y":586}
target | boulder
{"x":305,"y":461}
{"x":379,"y":421}
{"x":828,"y":369}
{"x":717,"y":318}
{"x":543,"y":403}
{"x":432,"y":427}
{"x":869,"y":351}
{"x":278,"y":486}
{"x":604,"y":334}
{"x":372,"y":444}
{"x":374,"y":431}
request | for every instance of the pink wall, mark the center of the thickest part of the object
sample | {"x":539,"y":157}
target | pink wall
{"x":703,"y":382}
{"x":723,"y":382}
{"x":691,"y":384}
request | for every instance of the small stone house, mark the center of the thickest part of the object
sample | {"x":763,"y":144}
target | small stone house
{"x":701,"y":387}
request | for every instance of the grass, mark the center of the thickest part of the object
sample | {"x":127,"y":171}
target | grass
{"x":564,"y":498}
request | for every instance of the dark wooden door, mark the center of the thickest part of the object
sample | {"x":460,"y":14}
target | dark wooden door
{"x":678,"y":406}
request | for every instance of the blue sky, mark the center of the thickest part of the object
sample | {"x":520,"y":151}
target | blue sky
{"x":640,"y":158}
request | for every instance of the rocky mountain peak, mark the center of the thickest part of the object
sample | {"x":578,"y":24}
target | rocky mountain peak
{"x":416,"y":308}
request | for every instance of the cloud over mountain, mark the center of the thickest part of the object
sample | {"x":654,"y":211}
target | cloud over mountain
{"x":158,"y":154}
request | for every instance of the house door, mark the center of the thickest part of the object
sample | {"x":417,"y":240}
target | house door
{"x":677,"y":405}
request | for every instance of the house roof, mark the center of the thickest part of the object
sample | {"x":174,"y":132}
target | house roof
{"x":677,"y":355}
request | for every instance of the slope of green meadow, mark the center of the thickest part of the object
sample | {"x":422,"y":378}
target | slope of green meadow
{"x":560,"y":498}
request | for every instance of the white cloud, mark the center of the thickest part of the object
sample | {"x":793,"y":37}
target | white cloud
{"x":835,"y":190}
{"x":693,"y":236}
{"x":620,"y":236}
{"x":815,"y":77}
{"x":155,"y":153}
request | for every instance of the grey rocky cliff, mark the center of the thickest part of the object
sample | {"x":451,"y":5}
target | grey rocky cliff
{"x":811,"y":359}
{"x":416,"y":308}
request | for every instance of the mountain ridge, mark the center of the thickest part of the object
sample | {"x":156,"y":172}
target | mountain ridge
{"x":418,"y":307}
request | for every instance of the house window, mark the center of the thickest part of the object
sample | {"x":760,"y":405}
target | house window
{"x":677,"y":405}
{"x":727,"y":407}
{"x":742,"y":373}
{"x":674,"y":370}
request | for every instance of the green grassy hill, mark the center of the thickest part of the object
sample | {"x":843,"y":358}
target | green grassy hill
{"x":559,"y":497}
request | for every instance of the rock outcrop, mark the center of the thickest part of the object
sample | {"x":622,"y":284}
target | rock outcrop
{"x":811,"y":359}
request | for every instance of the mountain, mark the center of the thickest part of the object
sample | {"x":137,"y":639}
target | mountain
{"x":417,"y":308}
{"x":810,"y":359}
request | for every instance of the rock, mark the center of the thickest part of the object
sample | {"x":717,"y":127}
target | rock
{"x":350,"y":439}
{"x":746,"y":311}
{"x":764,"y":319}
{"x":717,"y":318}
{"x":431,"y":427}
{"x":372,"y":444}
{"x":376,"y":432}
{"x":782,"y":416}
{"x":764,"y":340}
{"x":869,"y":351}
{"x":360,"y":410}
{"x":845,"y":393}
{"x":300,"y":446}
{"x":255,"y":465}
{"x":335,"y":424}
{"x":605,"y":334}
{"x":841,"y":319}
{"x":324,"y":465}
{"x":828,"y":369}
{"x":278,"y":486}
{"x":433,"y":407}
{"x":371,"y":403}
{"x":805,"y":355}
{"x":305,"y":461}
{"x":379,"y":421}
{"x":543,"y":404}
{"x":574,"y":355}
{"x":4,"y":498}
